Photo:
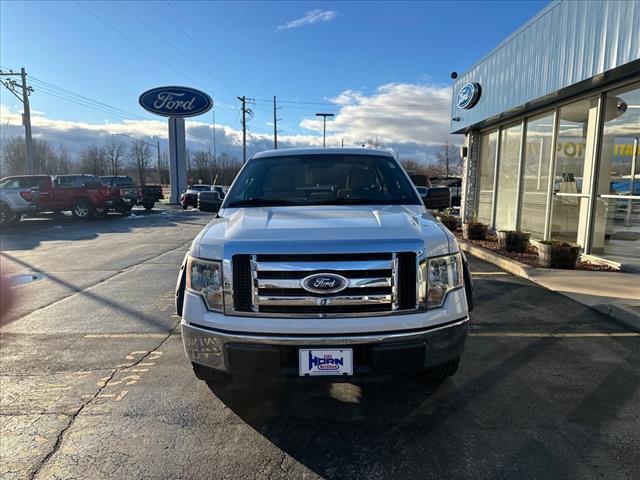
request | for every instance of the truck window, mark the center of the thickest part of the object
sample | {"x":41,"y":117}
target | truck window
{"x":10,"y":183}
{"x":322,"y":179}
{"x":123,"y":182}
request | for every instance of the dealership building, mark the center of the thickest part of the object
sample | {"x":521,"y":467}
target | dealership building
{"x":551,"y":119}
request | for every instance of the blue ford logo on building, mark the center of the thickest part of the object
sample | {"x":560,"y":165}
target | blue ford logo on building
{"x":324,"y":283}
{"x":175,"y":101}
{"x":468,"y":95}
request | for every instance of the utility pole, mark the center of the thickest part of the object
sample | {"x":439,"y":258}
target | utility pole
{"x":275,"y":124}
{"x":213,"y":112}
{"x":159,"y":169}
{"x":324,"y":126}
{"x":245,"y":111}
{"x":11,"y":85}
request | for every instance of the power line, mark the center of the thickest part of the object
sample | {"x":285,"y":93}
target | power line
{"x":149,"y":52}
{"x":227,"y":61}
{"x":178,"y":49}
{"x":64,"y":94}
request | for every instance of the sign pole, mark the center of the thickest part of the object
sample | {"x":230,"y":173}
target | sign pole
{"x":177,"y":158}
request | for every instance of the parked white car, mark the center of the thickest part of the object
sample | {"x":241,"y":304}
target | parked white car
{"x":323,"y":262}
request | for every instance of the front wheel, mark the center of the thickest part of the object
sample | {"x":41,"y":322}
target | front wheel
{"x":148,"y":205}
{"x":7,"y":217}
{"x":81,"y":209}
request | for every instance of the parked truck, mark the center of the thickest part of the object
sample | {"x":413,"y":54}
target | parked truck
{"x":323,"y":263}
{"x":18,"y":197}
{"x":150,"y":194}
{"x":123,"y":192}
{"x":82,"y":195}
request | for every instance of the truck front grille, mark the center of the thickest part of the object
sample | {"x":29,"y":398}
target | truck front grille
{"x":270,"y":284}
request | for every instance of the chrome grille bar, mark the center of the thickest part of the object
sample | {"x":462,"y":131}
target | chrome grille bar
{"x":323,"y":301}
{"x":297,"y":284}
{"x":324,"y":266}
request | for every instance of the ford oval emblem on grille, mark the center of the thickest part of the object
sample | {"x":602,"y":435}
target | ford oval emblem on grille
{"x":324,"y":283}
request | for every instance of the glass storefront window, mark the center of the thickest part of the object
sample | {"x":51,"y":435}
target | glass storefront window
{"x":488,"y":145}
{"x":535,"y":171}
{"x":574,"y":157}
{"x":508,"y":177}
{"x":616,"y":225}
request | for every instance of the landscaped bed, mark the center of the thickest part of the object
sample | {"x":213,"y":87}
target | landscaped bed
{"x":530,"y":257}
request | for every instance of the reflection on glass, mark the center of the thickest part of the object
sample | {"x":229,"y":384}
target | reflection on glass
{"x":508,"y":177}
{"x":617,"y":221}
{"x":576,"y":128}
{"x":488,"y":145}
{"x":536,"y":174}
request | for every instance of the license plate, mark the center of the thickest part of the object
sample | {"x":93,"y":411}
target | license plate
{"x":323,"y":361}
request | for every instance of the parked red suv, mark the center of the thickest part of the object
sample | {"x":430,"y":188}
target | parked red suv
{"x":82,"y":195}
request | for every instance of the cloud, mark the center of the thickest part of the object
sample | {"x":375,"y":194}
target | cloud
{"x":413,"y":119}
{"x":314,"y":16}
{"x":396,"y":114}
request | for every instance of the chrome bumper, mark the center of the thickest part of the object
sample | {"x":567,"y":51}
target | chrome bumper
{"x":209,"y":347}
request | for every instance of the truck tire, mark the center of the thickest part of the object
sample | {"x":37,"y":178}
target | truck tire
{"x":81,"y":208}
{"x":124,"y":210}
{"x":210,"y":376}
{"x":442,"y":372}
{"x":148,"y":205}
{"x":7,"y":217}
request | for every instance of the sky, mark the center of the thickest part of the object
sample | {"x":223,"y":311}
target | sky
{"x":383,"y":68}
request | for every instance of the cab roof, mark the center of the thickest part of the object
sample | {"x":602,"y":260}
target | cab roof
{"x":325,"y":151}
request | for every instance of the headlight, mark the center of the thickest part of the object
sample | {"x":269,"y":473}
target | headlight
{"x":205,"y":278}
{"x":444,"y":275}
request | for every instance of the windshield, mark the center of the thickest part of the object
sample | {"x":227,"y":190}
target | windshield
{"x":322,"y":179}
{"x":117,"y":181}
{"x":201,"y":188}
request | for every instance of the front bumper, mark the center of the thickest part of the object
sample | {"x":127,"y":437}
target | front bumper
{"x":276,"y":355}
{"x":26,"y":209}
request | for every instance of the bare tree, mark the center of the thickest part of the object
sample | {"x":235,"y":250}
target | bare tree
{"x":411,"y":166}
{"x":163,"y":168}
{"x":92,"y":160}
{"x":114,"y":156}
{"x":14,"y":157}
{"x":64,"y":163}
{"x":449,"y":161}
{"x":140,"y":156}
{"x":201,"y":161}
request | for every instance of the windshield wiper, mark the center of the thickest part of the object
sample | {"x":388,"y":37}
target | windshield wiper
{"x":260,"y":202}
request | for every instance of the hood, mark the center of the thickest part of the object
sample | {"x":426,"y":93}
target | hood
{"x":322,"y":229}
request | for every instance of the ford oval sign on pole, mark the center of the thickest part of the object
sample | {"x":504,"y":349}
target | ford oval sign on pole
{"x":176,"y":103}
{"x":468,"y":95}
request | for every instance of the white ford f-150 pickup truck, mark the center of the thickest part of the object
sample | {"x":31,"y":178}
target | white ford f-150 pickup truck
{"x":323,"y":262}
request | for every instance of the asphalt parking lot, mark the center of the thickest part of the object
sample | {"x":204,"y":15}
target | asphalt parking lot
{"x":94,"y":383}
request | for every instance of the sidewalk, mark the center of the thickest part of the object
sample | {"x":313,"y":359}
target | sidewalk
{"x":616,"y":294}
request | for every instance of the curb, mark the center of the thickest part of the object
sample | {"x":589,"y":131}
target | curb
{"x":623,"y":315}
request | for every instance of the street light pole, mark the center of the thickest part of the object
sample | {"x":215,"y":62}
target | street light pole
{"x":324,"y":126}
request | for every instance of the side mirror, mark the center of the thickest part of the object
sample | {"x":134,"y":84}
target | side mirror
{"x":209,"y":202}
